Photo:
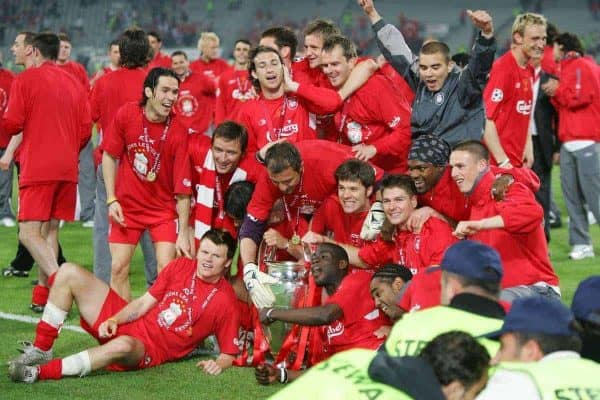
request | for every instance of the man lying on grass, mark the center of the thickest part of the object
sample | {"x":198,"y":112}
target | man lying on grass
{"x":184,"y":306}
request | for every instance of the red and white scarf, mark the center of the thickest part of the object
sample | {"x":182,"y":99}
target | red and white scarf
{"x":205,"y":194}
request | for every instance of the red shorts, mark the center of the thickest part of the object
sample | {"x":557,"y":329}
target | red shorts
{"x":112,"y":305}
{"x":46,"y":201}
{"x":165,"y":232}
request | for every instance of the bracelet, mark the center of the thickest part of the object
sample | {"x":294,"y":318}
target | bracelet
{"x":283,"y":375}
{"x":268,"y":315}
{"x":504,"y":163}
{"x":111,"y":200}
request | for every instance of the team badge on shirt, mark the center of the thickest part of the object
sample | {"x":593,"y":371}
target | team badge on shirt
{"x":439,"y":99}
{"x":140,"y":163}
{"x":497,"y":95}
{"x":186,"y":104}
{"x":354,"y":132}
{"x":292,"y":103}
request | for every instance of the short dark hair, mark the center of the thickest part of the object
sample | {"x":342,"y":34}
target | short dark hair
{"x":237,"y":197}
{"x":355,"y":170}
{"x":230,"y":130}
{"x":63,"y":37}
{"x":242,"y":40}
{"x":435,"y":46}
{"x":491,"y":288}
{"x":322,"y":27}
{"x":551,"y":343}
{"x":48,"y":45}
{"x":403,"y":182}
{"x":389,"y":272}
{"x":348,"y":48}
{"x":252,"y":67}
{"x":474,"y":147}
{"x":282,"y":155}
{"x":156,"y":35}
{"x":569,"y":42}
{"x":29,"y":36}
{"x":179,"y":53}
{"x":456,"y":356}
{"x":114,"y":42}
{"x":220,"y":237}
{"x":284,"y":37}
{"x":337,"y":252}
{"x":551,"y":33}
{"x":152,"y":80}
{"x":134,"y":48}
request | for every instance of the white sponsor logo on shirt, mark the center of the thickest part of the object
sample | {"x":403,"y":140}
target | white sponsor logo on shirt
{"x":497,"y":95}
{"x":187,"y":183}
{"x":524,"y":107}
{"x":394,"y":122}
{"x":333,"y":331}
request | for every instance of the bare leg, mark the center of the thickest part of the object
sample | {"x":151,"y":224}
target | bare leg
{"x":121,"y":257}
{"x":30,"y":234}
{"x":125,"y":350}
{"x":165,"y":253}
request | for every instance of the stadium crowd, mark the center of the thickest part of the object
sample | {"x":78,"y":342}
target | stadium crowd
{"x":413,"y":192}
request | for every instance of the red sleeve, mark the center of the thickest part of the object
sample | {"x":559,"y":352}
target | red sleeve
{"x":95,"y":96}
{"x":182,"y":170}
{"x":574,"y":90}
{"x":13,"y":119}
{"x":519,"y":210}
{"x":526,"y":176}
{"x":318,"y":223}
{"x":319,"y":100}
{"x":263,"y":198}
{"x":220,"y":112}
{"x":396,"y":115}
{"x":228,"y":325}
{"x":163,"y":281}
{"x":114,"y":136}
{"x":494,"y":94}
{"x":377,"y":253}
{"x":86,"y":121}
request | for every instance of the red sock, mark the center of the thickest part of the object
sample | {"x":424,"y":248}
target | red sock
{"x":39,"y":295}
{"x":45,"y":335}
{"x":52,"y":370}
{"x":51,"y":278}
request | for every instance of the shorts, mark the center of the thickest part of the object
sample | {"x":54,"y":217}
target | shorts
{"x":112,"y":305}
{"x":165,"y":232}
{"x":46,"y":201}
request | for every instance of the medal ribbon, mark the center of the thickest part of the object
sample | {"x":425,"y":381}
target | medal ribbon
{"x":156,"y":165}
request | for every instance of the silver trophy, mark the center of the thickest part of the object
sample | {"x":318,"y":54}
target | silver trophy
{"x":289,"y":290}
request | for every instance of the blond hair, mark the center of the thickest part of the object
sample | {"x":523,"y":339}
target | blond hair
{"x":208,"y":36}
{"x":522,"y":20}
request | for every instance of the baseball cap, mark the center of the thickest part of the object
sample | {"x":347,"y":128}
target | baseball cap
{"x":586,"y":301}
{"x":473,"y":260}
{"x":537,"y":315}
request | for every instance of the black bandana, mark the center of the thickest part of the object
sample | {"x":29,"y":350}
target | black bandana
{"x":430,"y":149}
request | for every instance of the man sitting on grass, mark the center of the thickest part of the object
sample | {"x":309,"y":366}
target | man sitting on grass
{"x":182,"y":308}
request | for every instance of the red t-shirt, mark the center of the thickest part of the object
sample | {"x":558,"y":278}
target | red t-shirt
{"x":211,"y":310}
{"x":304,"y":74}
{"x":147,"y":203}
{"x":424,"y":291}
{"x":213,"y":68}
{"x":202,"y":164}
{"x":508,"y":101}
{"x":78,"y":71}
{"x":196,"y":92}
{"x":235,"y":88}
{"x":331,"y":220}
{"x":376,"y":115}
{"x":318,"y":181}
{"x":160,"y":60}
{"x":6,"y":78}
{"x":356,"y":329}
{"x":416,"y":251}
{"x":50,"y":106}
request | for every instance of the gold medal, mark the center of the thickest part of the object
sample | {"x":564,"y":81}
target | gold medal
{"x":295,"y":239}
{"x":151,"y":176}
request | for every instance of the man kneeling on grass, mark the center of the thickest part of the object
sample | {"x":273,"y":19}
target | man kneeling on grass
{"x":184,"y":306}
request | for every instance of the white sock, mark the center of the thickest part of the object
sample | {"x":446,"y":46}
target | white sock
{"x":77,"y":364}
{"x":54,"y":316}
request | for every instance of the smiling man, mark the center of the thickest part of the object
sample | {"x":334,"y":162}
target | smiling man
{"x":508,"y":95}
{"x":153,"y":186}
{"x":513,"y":226}
{"x":182,"y":308}
{"x":447,"y":99}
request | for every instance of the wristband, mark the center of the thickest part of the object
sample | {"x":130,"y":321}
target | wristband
{"x":111,"y":200}
{"x":268,"y":315}
{"x":283,"y":375}
{"x":504,"y":163}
